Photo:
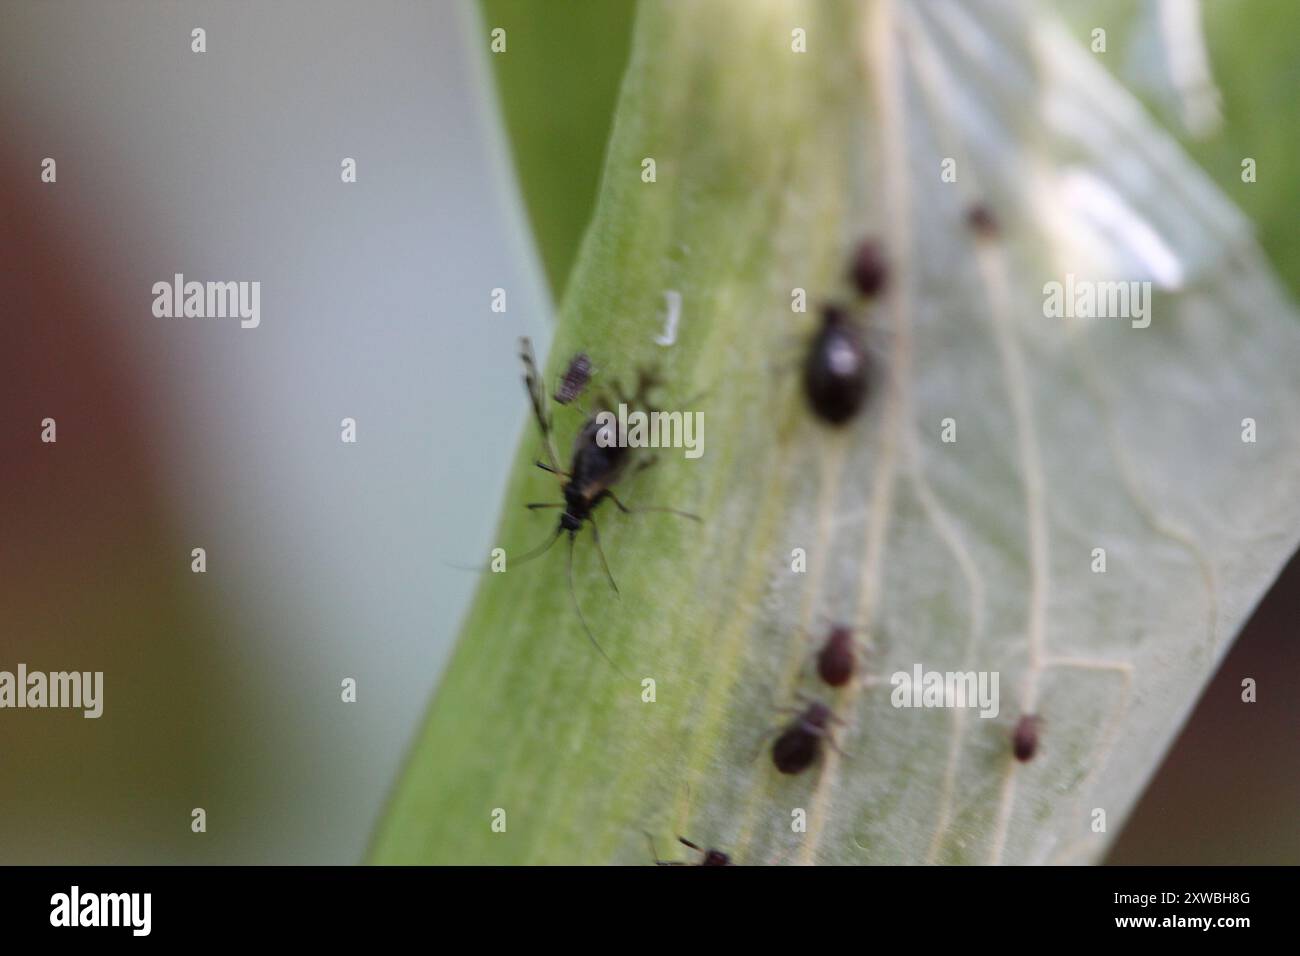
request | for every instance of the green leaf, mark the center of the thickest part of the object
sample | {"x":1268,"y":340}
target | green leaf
{"x":974,"y":555}
{"x":558,"y":82}
{"x":1252,"y":61}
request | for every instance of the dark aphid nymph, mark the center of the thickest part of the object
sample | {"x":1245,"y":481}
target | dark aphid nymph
{"x":836,"y":368}
{"x":574,"y":379}
{"x":869,"y":269}
{"x":1024,"y":739}
{"x":800,"y":743}
{"x":982,"y":222}
{"x":709,"y":857}
{"x":837,"y":659}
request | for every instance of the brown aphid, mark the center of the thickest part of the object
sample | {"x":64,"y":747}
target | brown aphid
{"x":982,"y":221}
{"x":869,"y":269}
{"x":800,"y":743}
{"x":1024,"y":739}
{"x":835,"y":370}
{"x":709,"y":857}
{"x":837,"y":660}
{"x":574,"y":379}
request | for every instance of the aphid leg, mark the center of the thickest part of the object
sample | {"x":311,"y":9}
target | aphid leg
{"x":595,"y":536}
{"x":684,"y":842}
{"x":826,"y":735}
{"x":538,"y":398}
{"x":654,"y":854}
{"x":646,"y":380}
{"x":830,"y":739}
{"x":763,"y":741}
{"x":636,"y":511}
{"x":573,"y":595}
{"x":649,"y":461}
{"x":771,"y":732}
{"x":544,"y":504}
{"x":555,"y":471}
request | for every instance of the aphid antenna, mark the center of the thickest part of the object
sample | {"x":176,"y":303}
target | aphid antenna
{"x":822,"y":625}
{"x":595,"y":536}
{"x":536,"y":552}
{"x":772,"y":731}
{"x":651,"y":508}
{"x":862,"y":641}
{"x":582,"y":619}
{"x":807,"y":700}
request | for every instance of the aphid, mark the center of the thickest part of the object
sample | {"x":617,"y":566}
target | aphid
{"x":982,"y":221}
{"x":869,"y":269}
{"x":837,"y":660}
{"x":594,"y":468}
{"x":836,"y":367}
{"x":709,"y":857}
{"x":800,"y":743}
{"x":1024,"y":739}
{"x":574,"y":379}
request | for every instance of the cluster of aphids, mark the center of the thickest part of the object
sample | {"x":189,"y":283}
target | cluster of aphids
{"x":800,"y":742}
{"x":837,"y":367}
{"x":836,"y":379}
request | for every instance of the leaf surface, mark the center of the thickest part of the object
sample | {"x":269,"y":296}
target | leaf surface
{"x":977,"y":555}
